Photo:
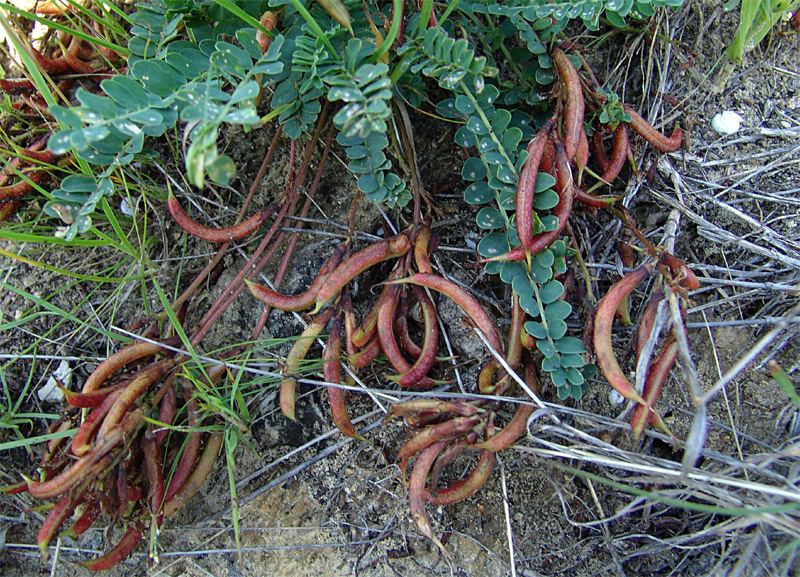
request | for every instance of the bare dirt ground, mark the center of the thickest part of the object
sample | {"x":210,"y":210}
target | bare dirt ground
{"x":314,"y":504}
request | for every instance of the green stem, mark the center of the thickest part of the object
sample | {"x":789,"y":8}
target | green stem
{"x":394,"y":30}
{"x":424,"y":16}
{"x":450,"y":8}
{"x":314,"y":26}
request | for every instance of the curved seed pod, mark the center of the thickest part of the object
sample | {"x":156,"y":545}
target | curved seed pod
{"x":463,"y":299}
{"x":15,"y":488}
{"x":619,"y":154}
{"x":516,"y":427}
{"x":388,"y":343}
{"x":166,"y":412}
{"x":303,"y":300}
{"x":49,"y":65}
{"x":349,"y":323}
{"x":447,"y":456}
{"x":337,"y":10}
{"x":332,"y":374}
{"x":623,"y":312}
{"x":573,"y":102}
{"x":471,"y":483}
{"x":117,"y":361}
{"x":654,"y":137}
{"x":599,"y":151}
{"x":185,"y":465}
{"x":527,"y":340}
{"x":566,"y":194}
{"x":34,"y":152}
{"x":421,"y":246}
{"x":448,"y":430}
{"x":526,"y":187}
{"x":366,"y":333}
{"x":486,"y":379}
{"x":367,"y":354}
{"x":594,"y":201}
{"x":24,"y":186}
{"x":625,"y":248}
{"x":85,"y":521}
{"x":86,"y":432}
{"x":153,"y":476}
{"x":513,"y":431}
{"x":294,"y":361}
{"x":191,"y":448}
{"x":65,"y":423}
{"x":211,"y":234}
{"x":424,"y":419}
{"x":362,"y":260}
{"x":682,"y":273}
{"x":656,"y":377}
{"x":460,"y":408}
{"x":79,"y":470}
{"x":119,"y":552}
{"x":416,"y":373}
{"x":603,"y":320}
{"x":409,"y":346}
{"x":548,"y":158}
{"x":133,"y":391}
{"x":88,"y":400}
{"x":200,"y":473}
{"x":60,"y":512}
{"x":404,"y":340}
{"x":8,"y":209}
{"x":416,"y":492}
{"x":16,"y":86}
{"x":647,"y":321}
{"x":582,"y":155}
{"x":72,"y":60}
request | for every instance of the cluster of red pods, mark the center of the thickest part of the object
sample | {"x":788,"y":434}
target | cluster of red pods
{"x":116,"y":462}
{"x":114,"y":465}
{"x":443,"y":430}
{"x":29,"y":163}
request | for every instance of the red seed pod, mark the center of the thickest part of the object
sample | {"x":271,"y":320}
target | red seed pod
{"x":211,"y":234}
{"x":603,"y":321}
{"x":682,"y":273}
{"x":393,"y":247}
{"x":573,"y":102}
{"x":658,"y":140}
{"x":618,"y":155}
{"x":268,"y":21}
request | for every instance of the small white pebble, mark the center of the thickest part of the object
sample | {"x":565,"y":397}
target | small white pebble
{"x":615,"y":398}
{"x":125,"y":207}
{"x":727,"y":122}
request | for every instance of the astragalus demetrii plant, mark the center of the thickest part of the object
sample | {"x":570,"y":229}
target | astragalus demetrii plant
{"x":194,"y":68}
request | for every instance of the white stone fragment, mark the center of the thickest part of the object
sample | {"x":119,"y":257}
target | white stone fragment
{"x":50,"y":393}
{"x":727,"y":122}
